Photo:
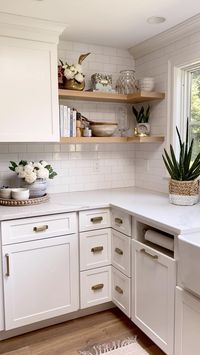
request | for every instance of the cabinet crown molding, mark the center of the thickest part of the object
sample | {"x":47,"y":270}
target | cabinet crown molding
{"x":163,"y":39}
{"x":24,"y":27}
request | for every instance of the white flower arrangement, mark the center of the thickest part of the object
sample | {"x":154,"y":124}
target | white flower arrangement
{"x":31,"y":171}
{"x":73,"y":72}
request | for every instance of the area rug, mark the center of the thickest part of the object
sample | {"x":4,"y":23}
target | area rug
{"x":128,"y":346}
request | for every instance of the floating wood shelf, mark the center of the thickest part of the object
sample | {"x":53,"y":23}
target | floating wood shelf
{"x":137,"y":97}
{"x":134,"y":139}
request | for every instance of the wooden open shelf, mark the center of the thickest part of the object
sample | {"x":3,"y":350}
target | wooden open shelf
{"x":137,"y":97}
{"x":134,"y":139}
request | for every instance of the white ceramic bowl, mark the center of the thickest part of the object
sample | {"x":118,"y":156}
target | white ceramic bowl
{"x":104,"y":130}
{"x":5,"y":193}
{"x":20,"y":194}
{"x":147,"y":84}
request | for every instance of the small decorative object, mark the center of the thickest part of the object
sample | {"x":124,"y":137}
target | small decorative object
{"x":5,"y":192}
{"x":103,"y":129}
{"x":184,"y":173}
{"x":33,"y":175}
{"x":101,"y":82}
{"x":73,"y":74}
{"x":142,"y":128}
{"x":20,"y":194}
{"x":126,"y":83}
{"x":146,"y":84}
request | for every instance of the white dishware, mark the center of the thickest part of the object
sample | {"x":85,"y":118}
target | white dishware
{"x":5,"y":193}
{"x":20,"y":194}
{"x":147,"y":84}
{"x":106,"y":130}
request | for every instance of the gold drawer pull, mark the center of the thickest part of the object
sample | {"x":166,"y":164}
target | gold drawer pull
{"x":96,"y":219}
{"x":7,"y":265}
{"x":118,"y":220}
{"x":155,"y":257}
{"x":119,"y":251}
{"x":40,"y":228}
{"x":97,"y":249}
{"x":97,"y":287}
{"x":119,"y":290}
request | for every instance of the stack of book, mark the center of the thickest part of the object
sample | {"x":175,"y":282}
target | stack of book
{"x":68,"y":118}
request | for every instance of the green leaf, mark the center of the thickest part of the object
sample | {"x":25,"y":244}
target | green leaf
{"x":23,"y":162}
{"x":13,"y":164}
{"x":176,"y":167}
{"x":135,"y":112}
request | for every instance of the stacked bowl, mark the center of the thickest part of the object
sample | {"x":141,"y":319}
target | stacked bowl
{"x":146,"y":84}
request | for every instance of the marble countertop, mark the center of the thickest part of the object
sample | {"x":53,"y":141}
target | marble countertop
{"x":152,"y":207}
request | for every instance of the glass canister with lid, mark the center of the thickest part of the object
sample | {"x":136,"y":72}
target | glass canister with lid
{"x":126,"y":83}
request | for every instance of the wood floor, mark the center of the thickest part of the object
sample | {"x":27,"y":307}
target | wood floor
{"x":69,"y":337}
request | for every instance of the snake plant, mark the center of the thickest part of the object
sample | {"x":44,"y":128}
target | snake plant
{"x":141,"y":116}
{"x":183,"y":168}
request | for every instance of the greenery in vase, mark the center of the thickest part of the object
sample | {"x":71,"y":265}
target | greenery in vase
{"x":30,"y":171}
{"x":183,"y":168}
{"x":141,"y":115}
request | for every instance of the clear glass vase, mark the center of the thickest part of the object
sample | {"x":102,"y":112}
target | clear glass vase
{"x":126,"y":83}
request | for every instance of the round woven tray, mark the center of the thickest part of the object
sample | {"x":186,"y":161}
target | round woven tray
{"x":29,"y":202}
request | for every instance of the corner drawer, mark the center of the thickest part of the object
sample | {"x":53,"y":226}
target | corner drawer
{"x":95,"y":286}
{"x":121,"y":252}
{"x":95,"y":249}
{"x":94,"y":219}
{"x":27,"y":229}
{"x":121,"y":288}
{"x":121,"y":221}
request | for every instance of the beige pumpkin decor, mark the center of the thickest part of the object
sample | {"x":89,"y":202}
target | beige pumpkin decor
{"x":184,"y":172}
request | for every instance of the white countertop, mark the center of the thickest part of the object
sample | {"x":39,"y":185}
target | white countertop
{"x":147,"y":205}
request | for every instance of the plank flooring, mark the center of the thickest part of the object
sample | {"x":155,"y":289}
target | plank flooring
{"x":69,"y":337}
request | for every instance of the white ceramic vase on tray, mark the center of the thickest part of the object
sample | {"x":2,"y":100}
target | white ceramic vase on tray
{"x":37,"y":188}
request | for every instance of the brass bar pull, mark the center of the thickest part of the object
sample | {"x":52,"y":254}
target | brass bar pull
{"x":119,"y":290}
{"x":40,"y":228}
{"x":7,"y":265}
{"x":119,"y":251}
{"x":155,"y":257}
{"x":97,"y":249}
{"x":118,"y":220}
{"x":96,"y":219}
{"x":97,"y":287}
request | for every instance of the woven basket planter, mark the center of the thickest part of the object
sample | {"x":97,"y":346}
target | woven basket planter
{"x":184,"y":193}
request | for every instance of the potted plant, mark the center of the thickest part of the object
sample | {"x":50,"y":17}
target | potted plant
{"x":184,"y":172}
{"x":142,"y":119}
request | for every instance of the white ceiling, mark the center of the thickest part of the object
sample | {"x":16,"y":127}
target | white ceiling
{"x":118,"y":23}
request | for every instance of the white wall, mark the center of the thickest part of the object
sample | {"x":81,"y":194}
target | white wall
{"x":86,"y":166}
{"x":149,"y":168}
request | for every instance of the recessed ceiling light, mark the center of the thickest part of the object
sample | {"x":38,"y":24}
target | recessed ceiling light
{"x":153,"y":20}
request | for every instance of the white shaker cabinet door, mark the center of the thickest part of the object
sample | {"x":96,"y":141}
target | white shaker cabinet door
{"x":154,"y":280}
{"x":28,"y":91}
{"x":40,"y":280}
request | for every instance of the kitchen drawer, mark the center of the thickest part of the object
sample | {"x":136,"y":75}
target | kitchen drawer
{"x":121,"y":252}
{"x":94,"y":219}
{"x":95,"y":286}
{"x":121,"y":221}
{"x":121,"y":288}
{"x":27,"y":229}
{"x":95,"y":249}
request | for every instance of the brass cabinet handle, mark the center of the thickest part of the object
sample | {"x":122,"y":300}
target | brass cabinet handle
{"x":7,"y":265}
{"x":118,"y":220}
{"x":119,"y":290}
{"x":96,"y":219}
{"x":155,"y":257}
{"x":97,"y":287}
{"x":40,"y":228}
{"x":97,"y":249}
{"x":119,"y":251}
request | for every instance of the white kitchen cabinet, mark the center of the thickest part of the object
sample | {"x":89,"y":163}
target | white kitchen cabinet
{"x":121,"y":291}
{"x":187,"y":323}
{"x":153,"y":293}
{"x":40,"y":280}
{"x":121,"y":221}
{"x":1,"y":294}
{"x":28,"y":85}
{"x":94,"y":219}
{"x":121,"y":252}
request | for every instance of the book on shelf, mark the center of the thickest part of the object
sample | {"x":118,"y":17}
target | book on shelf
{"x":68,"y":118}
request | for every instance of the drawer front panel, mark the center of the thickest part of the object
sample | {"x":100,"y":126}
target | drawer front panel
{"x":95,"y":286}
{"x":94,"y":219}
{"x":121,"y":221}
{"x":121,"y":252}
{"x":27,"y":229}
{"x":121,"y":291}
{"x":95,"y":249}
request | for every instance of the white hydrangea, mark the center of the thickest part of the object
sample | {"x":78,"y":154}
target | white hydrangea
{"x":22,"y":174}
{"x":30,"y":177}
{"x":19,"y":169}
{"x":79,"y":77}
{"x":28,"y":169}
{"x":68,"y":74}
{"x":78,"y":68}
{"x":44,"y":163}
{"x":43,"y":173}
{"x":37,"y":165}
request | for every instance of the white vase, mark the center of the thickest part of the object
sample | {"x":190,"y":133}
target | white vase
{"x":37,"y":188}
